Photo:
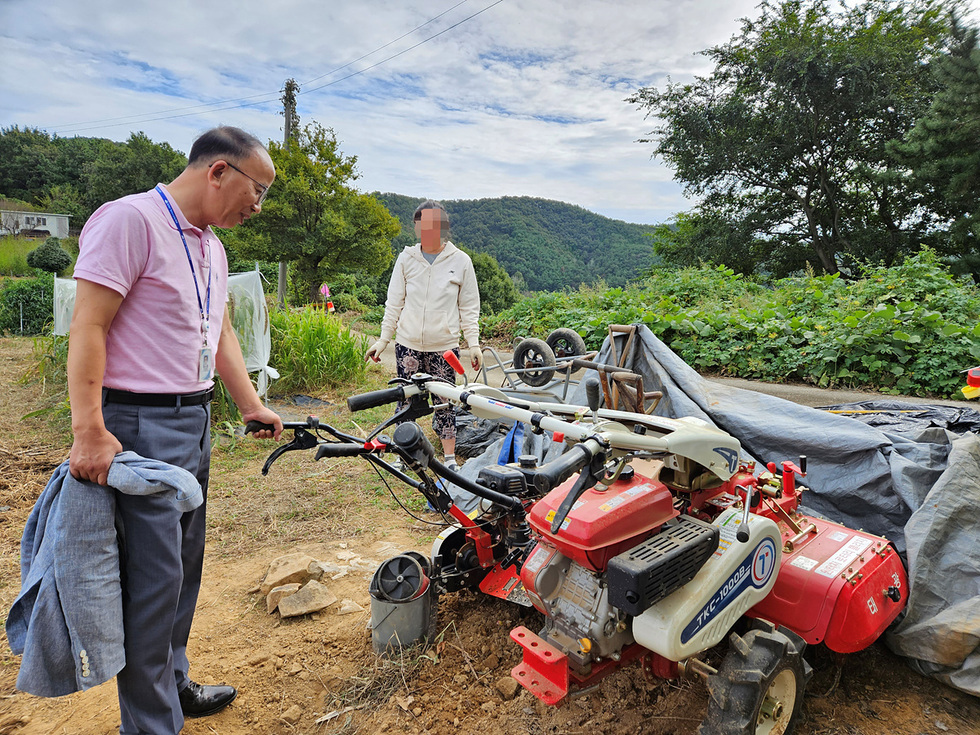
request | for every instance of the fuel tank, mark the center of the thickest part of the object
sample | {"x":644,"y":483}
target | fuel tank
{"x":604,"y":521}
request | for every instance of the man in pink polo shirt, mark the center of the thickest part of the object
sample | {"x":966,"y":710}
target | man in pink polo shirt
{"x":148,"y":332}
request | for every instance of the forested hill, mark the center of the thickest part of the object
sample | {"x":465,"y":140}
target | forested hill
{"x":544,"y":245}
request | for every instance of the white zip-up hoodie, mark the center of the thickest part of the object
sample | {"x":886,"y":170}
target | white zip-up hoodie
{"x":428,"y":306}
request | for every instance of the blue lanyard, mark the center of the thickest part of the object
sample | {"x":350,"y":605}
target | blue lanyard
{"x":205,"y":315}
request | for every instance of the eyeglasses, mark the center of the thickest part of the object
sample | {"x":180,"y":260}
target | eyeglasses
{"x":264,"y":189}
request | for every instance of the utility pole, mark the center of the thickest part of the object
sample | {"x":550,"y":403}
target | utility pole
{"x":288,"y":129}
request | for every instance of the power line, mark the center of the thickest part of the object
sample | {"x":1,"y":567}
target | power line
{"x":137,"y":118}
{"x":393,"y":56}
{"x":273,"y":96}
{"x":382,"y":48}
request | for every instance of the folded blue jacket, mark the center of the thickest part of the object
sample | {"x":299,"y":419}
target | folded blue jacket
{"x":67,"y":620}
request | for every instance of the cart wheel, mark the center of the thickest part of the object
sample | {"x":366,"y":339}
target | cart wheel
{"x":535,"y":356}
{"x":759,"y":688}
{"x":566,"y":343}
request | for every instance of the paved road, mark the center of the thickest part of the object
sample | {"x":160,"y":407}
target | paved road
{"x":811,"y":396}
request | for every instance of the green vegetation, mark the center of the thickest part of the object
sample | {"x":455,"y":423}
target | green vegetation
{"x":49,"y":256}
{"x":497,"y":289}
{"x":76,"y":176}
{"x":941,"y":150}
{"x":544,"y":245}
{"x":791,"y":141}
{"x":906,"y":329}
{"x":13,"y":256}
{"x":27,"y":305}
{"x":313,"y":218}
{"x":313,"y":350}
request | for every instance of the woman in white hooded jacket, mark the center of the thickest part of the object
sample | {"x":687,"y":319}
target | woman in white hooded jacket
{"x":432,"y":298}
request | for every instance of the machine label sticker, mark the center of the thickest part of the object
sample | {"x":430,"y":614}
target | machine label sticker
{"x":727,"y":528}
{"x":755,"y":571}
{"x":804,"y":562}
{"x":550,"y":517}
{"x":612,"y":503}
{"x":537,"y":559}
{"x":838,"y":536}
{"x":730,"y":456}
{"x":638,"y":490}
{"x":844,"y":557}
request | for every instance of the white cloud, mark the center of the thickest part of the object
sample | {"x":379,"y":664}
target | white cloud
{"x":526,"y":98}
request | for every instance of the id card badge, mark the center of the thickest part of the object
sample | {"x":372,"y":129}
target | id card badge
{"x":205,"y":367}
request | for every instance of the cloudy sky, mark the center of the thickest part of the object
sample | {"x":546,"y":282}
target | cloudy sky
{"x":446,"y":99}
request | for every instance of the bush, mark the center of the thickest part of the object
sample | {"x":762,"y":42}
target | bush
{"x":312,"y":349}
{"x":346,"y":302}
{"x":27,"y":305}
{"x":906,"y":329}
{"x":49,"y":257}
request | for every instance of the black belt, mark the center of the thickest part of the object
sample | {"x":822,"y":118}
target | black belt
{"x":158,"y":399}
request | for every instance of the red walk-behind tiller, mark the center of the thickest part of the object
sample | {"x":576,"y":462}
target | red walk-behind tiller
{"x":647,"y":541}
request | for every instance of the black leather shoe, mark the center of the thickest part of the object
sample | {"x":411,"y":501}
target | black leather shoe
{"x":201,"y":700}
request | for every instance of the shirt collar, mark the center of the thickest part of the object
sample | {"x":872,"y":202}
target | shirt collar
{"x":184,"y":224}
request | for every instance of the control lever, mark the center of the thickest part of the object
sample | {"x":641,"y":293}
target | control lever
{"x":584,"y":482}
{"x":743,"y":530}
{"x":592,"y":396}
{"x":302,"y":439}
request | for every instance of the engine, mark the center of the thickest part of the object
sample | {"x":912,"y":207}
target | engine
{"x":622,"y":548}
{"x":579,"y":618}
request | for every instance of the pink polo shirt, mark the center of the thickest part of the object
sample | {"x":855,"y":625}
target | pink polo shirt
{"x":132,"y":246}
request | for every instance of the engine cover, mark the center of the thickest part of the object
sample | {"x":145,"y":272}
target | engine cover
{"x":604,"y":521}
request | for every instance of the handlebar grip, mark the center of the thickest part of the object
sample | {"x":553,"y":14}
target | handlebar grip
{"x":252,"y":426}
{"x":376,"y":398}
{"x":339,"y":450}
{"x":558,"y":470}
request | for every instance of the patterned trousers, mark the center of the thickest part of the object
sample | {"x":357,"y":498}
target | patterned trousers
{"x":409,"y":362}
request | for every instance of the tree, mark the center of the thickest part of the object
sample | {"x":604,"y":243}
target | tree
{"x":64,"y":199}
{"x":313,"y":218}
{"x":695,"y":238}
{"x":77,"y":175}
{"x":790,"y":130}
{"x":943,"y":149}
{"x":497,"y":290}
{"x":120,"y":169}
{"x":26,"y":162}
{"x":49,"y":256}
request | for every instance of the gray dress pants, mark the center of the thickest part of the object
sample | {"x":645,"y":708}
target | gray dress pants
{"x":161,"y":557}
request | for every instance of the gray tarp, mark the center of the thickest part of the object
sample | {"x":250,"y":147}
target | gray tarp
{"x":920,"y":489}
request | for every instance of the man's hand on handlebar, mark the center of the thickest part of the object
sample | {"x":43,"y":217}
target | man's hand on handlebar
{"x":263,"y":415}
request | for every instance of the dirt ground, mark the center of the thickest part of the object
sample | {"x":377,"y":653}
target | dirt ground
{"x":318,"y":674}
